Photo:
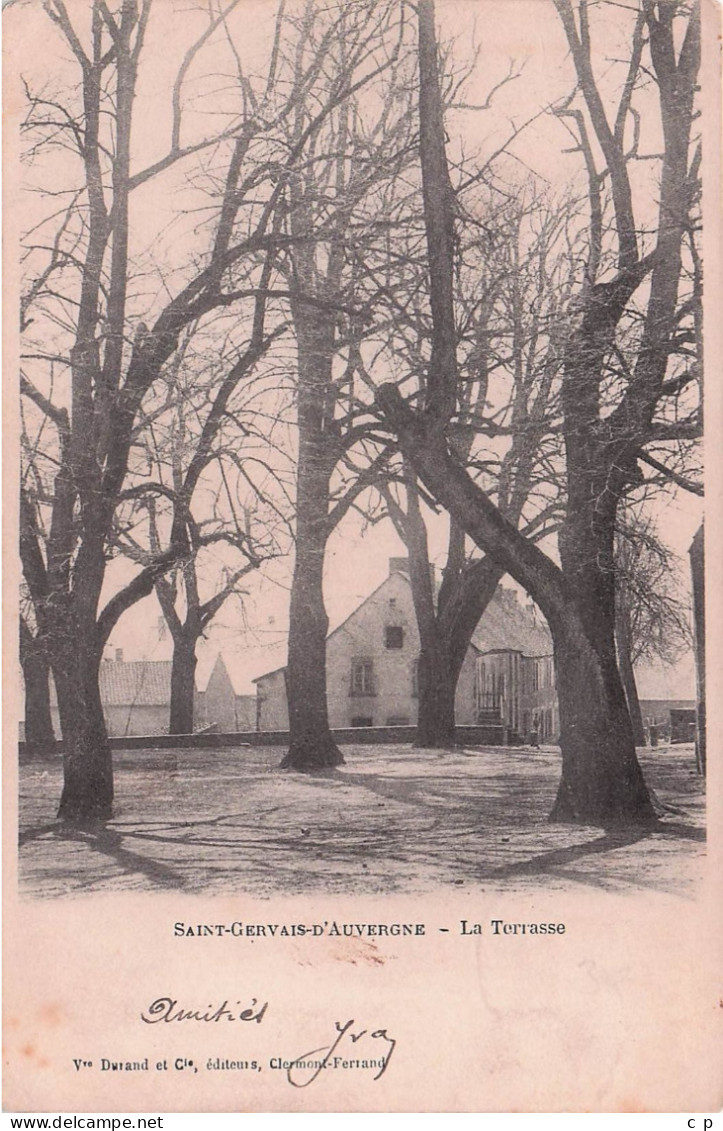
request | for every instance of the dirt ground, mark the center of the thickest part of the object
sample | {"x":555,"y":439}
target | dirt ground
{"x":391,"y":819}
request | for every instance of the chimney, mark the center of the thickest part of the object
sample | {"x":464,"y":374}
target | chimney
{"x":119,"y":655}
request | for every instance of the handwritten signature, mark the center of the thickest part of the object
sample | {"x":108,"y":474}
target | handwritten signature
{"x":306,"y":1068}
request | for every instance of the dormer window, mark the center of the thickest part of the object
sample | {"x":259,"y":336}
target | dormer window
{"x":394,"y":636}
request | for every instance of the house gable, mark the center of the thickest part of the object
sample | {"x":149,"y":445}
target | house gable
{"x":219,"y":700}
{"x":372,"y":659}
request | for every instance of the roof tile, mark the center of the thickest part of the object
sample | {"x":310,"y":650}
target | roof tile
{"x":139,"y":683}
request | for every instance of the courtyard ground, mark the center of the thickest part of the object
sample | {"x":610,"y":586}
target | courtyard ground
{"x":391,"y":819}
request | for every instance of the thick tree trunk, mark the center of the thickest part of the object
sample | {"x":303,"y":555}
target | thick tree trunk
{"x":39,"y":734}
{"x":435,"y":682}
{"x":602,"y":782}
{"x":444,"y":646}
{"x":463,"y":609}
{"x":88,"y":771}
{"x":311,"y":745}
{"x":183,"y":682}
{"x":437,"y":687}
{"x":601,"y":779}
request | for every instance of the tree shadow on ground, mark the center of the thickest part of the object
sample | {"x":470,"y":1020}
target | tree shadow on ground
{"x":423,"y":790}
{"x":609,"y":842}
{"x":553,"y":861}
{"x":683,"y":832}
{"x":465,"y":816}
{"x":25,"y":836}
{"x":108,"y":842}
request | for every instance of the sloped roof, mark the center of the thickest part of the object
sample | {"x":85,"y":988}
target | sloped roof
{"x":228,"y":663}
{"x":506,"y":624}
{"x":243,"y":666}
{"x":280,"y":651}
{"x":139,"y":683}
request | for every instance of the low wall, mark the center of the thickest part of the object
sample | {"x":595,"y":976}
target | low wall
{"x":483,"y":735}
{"x":487,"y":735}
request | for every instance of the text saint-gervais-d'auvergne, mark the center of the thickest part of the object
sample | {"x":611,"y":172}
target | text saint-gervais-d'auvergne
{"x":332,"y":928}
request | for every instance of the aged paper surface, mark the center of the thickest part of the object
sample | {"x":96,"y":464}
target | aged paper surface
{"x":297,"y":946}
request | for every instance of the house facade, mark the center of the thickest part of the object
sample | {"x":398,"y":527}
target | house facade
{"x":674,"y":720}
{"x":519,"y":690}
{"x":372,"y":662}
{"x":136,"y":698}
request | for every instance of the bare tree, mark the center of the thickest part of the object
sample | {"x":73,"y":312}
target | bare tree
{"x":601,"y":778}
{"x":331,"y":215}
{"x":187,"y":626}
{"x":92,"y":359}
{"x":507,"y":432}
{"x":204,"y":483}
{"x":652,"y":621}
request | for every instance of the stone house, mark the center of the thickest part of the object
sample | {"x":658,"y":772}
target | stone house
{"x":520,"y":691}
{"x":136,"y":697}
{"x":221,"y":707}
{"x":515,"y":669}
{"x":674,"y":720}
{"x":372,"y":665}
{"x":135,"y":694}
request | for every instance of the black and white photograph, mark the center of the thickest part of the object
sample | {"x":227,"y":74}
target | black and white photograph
{"x":355,"y":603}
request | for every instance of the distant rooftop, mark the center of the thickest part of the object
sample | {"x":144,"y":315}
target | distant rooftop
{"x":506,"y":624}
{"x":140,"y":683}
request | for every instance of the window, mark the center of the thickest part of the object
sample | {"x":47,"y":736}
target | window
{"x":398,"y":721}
{"x":362,"y":721}
{"x":362,"y":679}
{"x":394,"y":636}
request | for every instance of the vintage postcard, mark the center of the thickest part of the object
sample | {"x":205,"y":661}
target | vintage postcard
{"x":361,"y":728}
